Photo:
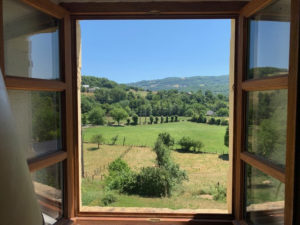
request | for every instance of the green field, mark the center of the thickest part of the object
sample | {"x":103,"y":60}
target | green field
{"x":212,"y":136}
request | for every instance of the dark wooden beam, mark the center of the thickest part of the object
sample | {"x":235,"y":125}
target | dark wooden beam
{"x":155,"y":8}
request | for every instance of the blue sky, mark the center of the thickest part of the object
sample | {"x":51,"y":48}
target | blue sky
{"x":133,"y":50}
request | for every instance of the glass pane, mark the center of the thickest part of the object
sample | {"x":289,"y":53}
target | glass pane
{"x":264,"y":198}
{"x":266,"y":125}
{"x":48,"y":184}
{"x":37,"y":120}
{"x":31,"y":42}
{"x":269,"y":36}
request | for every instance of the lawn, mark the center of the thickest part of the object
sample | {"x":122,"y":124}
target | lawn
{"x":204,"y":171}
{"x":212,"y":136}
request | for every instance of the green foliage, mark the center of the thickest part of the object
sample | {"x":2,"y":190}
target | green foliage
{"x":96,"y":116}
{"x":222,"y":112}
{"x":189,"y":145}
{"x":217,"y":191}
{"x":226,"y":137}
{"x":108,"y":198}
{"x":98,"y":138}
{"x":118,"y":114}
{"x":151,"y":119}
{"x":167,"y":119}
{"x":176,"y":118}
{"x":224,"y":122}
{"x":135,"y":119}
{"x":212,"y":121}
{"x":156,"y":120}
{"x":217,"y":121}
{"x":161,"y":119}
{"x":128,"y":121}
{"x":166,"y":139}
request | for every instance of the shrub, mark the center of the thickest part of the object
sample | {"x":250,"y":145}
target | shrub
{"x":218,"y":122}
{"x":212,"y":120}
{"x":108,"y":198}
{"x":218,"y":192}
{"x":226,"y":137}
{"x":166,"y":139}
{"x":200,"y":118}
{"x":176,"y":118}
{"x":189,"y":145}
{"x":118,"y":114}
{"x":167,"y":119}
{"x":156,"y":120}
{"x":161,"y":119}
{"x":135,"y":119}
{"x":224,"y":122}
{"x":151,"y":119}
{"x":128,"y":121}
{"x":172,"y":118}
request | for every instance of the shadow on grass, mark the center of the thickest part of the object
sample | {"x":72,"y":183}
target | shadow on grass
{"x":93,"y":149}
{"x":225,"y":157}
{"x":188,"y":152}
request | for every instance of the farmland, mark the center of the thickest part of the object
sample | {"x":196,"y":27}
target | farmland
{"x":204,"y":170}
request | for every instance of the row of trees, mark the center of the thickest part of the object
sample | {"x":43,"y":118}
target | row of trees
{"x":111,"y":95}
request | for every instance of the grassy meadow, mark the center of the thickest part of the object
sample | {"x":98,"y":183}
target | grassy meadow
{"x":204,"y":170}
{"x":212,"y":136}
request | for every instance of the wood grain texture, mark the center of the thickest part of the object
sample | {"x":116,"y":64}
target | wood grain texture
{"x":264,"y":166}
{"x":32,"y":84}
{"x":154,"y":8}
{"x":147,"y":221}
{"x":239,"y":122}
{"x":48,"y":7}
{"x":2,"y":62}
{"x":272,"y":83}
{"x":254,"y":6}
{"x":45,"y":161}
{"x":69,"y":121}
{"x":292,"y":206}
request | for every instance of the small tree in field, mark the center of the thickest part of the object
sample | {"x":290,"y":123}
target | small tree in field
{"x":161,"y":119}
{"x":118,"y":114}
{"x":167,"y":119}
{"x":172,"y":119}
{"x":226,"y":137}
{"x":156,"y":120}
{"x":128,"y":121}
{"x":151,"y":119}
{"x":135,"y":119}
{"x":96,"y":116}
{"x":98,"y":138}
{"x":176,"y":118}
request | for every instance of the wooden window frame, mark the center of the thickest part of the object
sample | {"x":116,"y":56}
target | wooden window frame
{"x":128,"y":13}
{"x":284,"y":82}
{"x":63,"y":86}
{"x":70,"y":12}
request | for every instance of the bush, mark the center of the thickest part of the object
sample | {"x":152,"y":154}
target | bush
{"x":189,"y":145}
{"x":108,"y":198}
{"x":161,"y":119}
{"x":167,"y":119}
{"x":224,"y":122}
{"x":151,"y":119}
{"x":172,"y":118}
{"x":135,"y":119}
{"x":156,"y":120}
{"x":219,"y":192}
{"x":166,"y":139}
{"x":218,"y":122}
{"x":176,"y":118}
{"x":128,"y":121}
{"x":212,"y":120}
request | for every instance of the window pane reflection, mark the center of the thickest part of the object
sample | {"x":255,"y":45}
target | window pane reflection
{"x":38,"y":121}
{"x":266,"y":125}
{"x":31,"y":42}
{"x":264,"y":198}
{"x":269,"y":33}
{"x":48,"y":184}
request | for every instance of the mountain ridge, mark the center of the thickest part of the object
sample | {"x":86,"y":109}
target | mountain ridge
{"x":216,"y":84}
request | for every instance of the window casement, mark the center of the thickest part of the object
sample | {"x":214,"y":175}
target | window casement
{"x":27,"y":86}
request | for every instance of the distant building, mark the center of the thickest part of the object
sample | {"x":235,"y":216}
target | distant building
{"x":210,"y":113}
{"x":85,"y":86}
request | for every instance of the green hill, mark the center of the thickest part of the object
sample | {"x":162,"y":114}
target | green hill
{"x":216,"y":84}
